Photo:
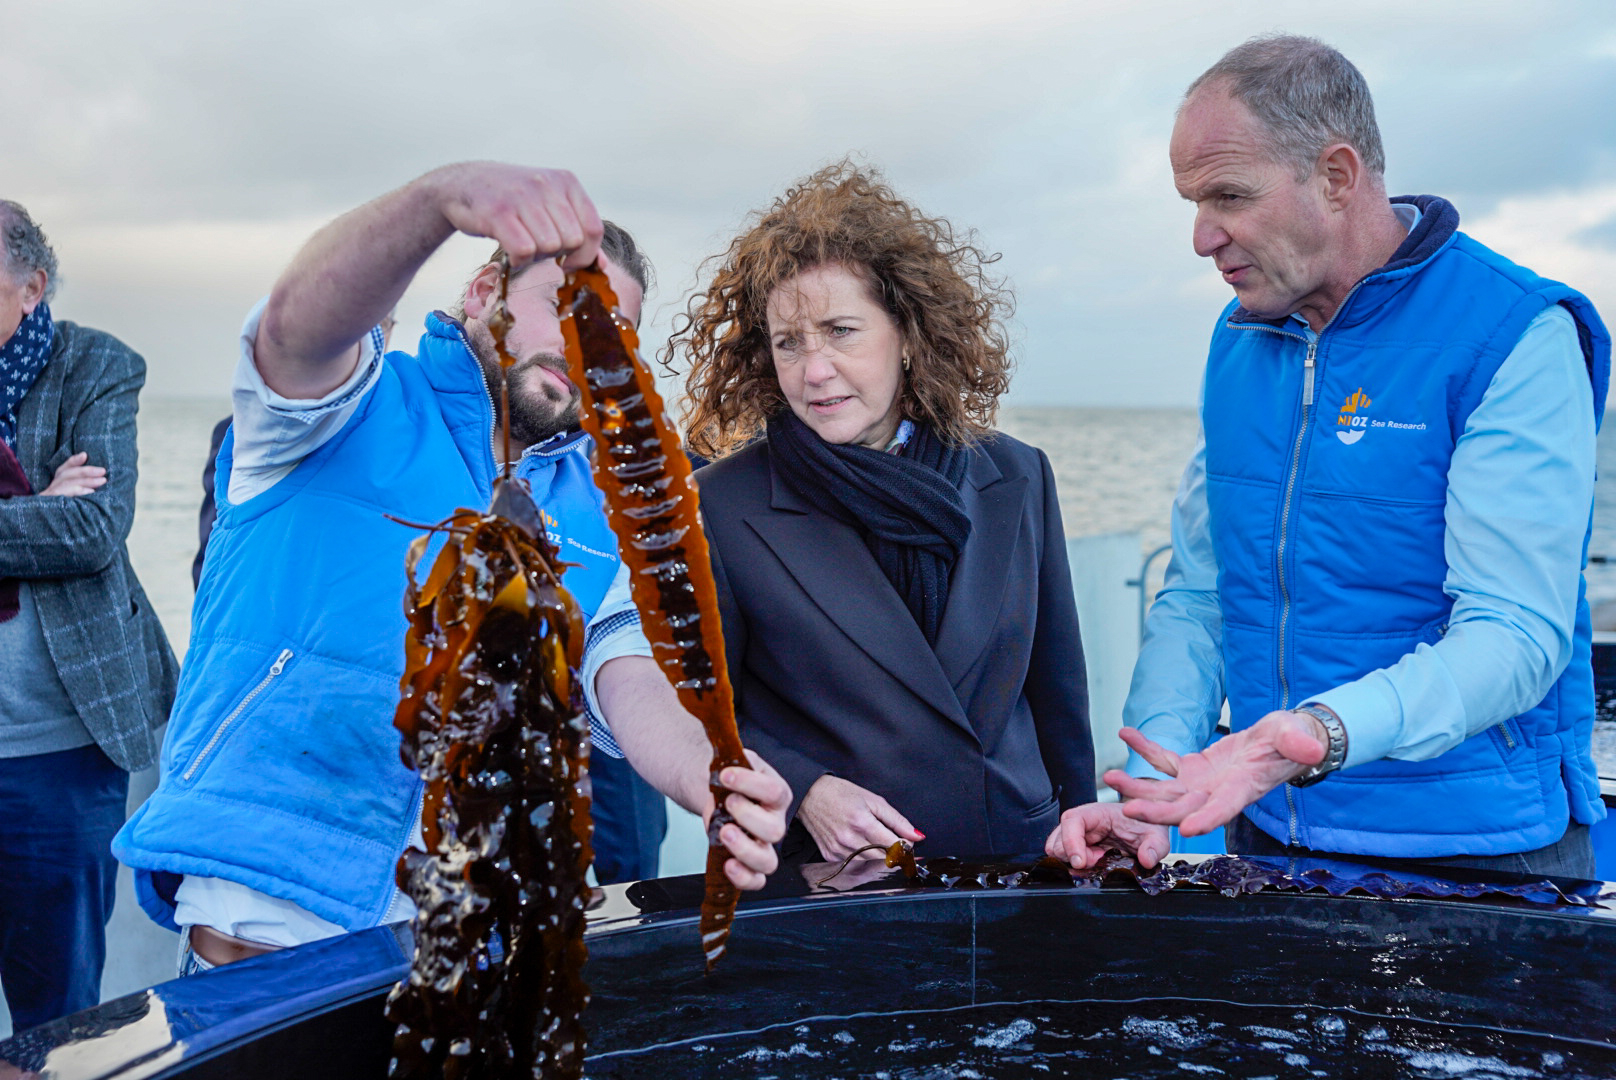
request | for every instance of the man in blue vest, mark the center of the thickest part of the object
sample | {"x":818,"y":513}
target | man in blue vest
{"x":1378,"y":544}
{"x":283,"y":805}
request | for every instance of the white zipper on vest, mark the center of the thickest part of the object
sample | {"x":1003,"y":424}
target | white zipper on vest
{"x":395,"y":906}
{"x":1307,"y":376}
{"x":488,"y":396}
{"x":1309,"y":370}
{"x":1285,"y":524}
{"x":274,"y":670}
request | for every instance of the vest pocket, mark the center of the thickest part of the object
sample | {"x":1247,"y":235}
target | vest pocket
{"x":1507,"y":736}
{"x":274,"y":672}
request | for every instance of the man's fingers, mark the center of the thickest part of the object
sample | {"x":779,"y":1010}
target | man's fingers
{"x":767,"y":825}
{"x":545,"y":231}
{"x":766,"y":789}
{"x":1159,"y":756}
{"x":510,"y":232}
{"x":1300,"y":746}
{"x":1152,"y":848}
{"x":1137,"y":787}
{"x":742,"y":878}
{"x":1055,"y":846}
{"x":1163,"y":812}
{"x":77,"y":459}
{"x":1220,"y":809}
{"x":589,"y":224}
{"x":1078,"y":831}
{"x":752,"y":853}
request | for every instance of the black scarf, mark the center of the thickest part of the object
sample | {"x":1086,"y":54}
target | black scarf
{"x":907,"y":505}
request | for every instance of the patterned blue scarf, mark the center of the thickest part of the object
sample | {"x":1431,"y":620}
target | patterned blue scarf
{"x":22,"y":358}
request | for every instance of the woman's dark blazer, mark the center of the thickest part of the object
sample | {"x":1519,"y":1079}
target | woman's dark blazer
{"x":980,"y":743}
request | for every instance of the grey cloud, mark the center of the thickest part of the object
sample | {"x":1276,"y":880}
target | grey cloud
{"x":1602,"y":236}
{"x":240,"y":125}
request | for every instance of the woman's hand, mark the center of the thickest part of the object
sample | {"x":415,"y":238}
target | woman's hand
{"x":843,"y":817}
{"x":74,"y":477}
{"x":758,"y":800}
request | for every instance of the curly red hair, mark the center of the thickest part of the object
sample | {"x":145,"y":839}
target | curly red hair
{"x":935,"y":286}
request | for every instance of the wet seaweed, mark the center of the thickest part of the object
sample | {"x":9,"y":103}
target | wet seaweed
{"x":492,"y":719}
{"x":1231,"y":875}
{"x":651,"y":500}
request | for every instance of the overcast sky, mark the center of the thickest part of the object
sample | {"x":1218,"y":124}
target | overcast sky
{"x":178,"y":153}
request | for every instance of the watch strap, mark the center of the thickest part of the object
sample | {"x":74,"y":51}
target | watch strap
{"x":1336,"y":754}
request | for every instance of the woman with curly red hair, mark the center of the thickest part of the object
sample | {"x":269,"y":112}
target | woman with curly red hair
{"x":898,"y":610}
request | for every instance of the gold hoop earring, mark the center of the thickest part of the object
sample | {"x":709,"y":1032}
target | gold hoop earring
{"x":906,"y":361}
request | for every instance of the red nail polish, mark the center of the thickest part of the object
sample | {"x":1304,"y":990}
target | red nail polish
{"x":920,"y":834}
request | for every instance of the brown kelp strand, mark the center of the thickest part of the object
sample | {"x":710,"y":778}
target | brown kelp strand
{"x":492,"y":720}
{"x":652,"y":501}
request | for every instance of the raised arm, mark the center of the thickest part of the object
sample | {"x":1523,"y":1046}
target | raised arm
{"x":351,"y":273}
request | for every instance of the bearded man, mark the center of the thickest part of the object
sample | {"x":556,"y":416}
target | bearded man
{"x":283,"y":805}
{"x":1378,"y":546}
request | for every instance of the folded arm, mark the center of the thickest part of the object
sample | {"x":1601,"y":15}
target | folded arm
{"x":55,"y":536}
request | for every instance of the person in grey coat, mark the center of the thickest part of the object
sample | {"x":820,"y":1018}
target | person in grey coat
{"x":86,"y":674}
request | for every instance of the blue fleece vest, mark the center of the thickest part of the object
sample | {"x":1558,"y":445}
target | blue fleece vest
{"x":1328,"y":525}
{"x":281,"y":768}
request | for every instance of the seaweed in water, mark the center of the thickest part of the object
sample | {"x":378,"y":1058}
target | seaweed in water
{"x":652,"y":502}
{"x":491,"y":718}
{"x":1232,"y":875}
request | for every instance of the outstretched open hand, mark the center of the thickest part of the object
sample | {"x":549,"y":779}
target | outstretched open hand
{"x":1210,"y":788}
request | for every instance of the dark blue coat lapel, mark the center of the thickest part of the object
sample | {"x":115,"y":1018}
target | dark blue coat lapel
{"x":832,"y":565}
{"x":976,"y":588}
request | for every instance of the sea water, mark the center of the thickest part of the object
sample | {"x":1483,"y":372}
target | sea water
{"x":1138,"y":1039}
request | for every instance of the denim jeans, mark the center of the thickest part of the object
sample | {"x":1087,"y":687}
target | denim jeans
{"x":1570,"y":856}
{"x":58,"y":879}
{"x":189,"y":963}
{"x":631,"y":819}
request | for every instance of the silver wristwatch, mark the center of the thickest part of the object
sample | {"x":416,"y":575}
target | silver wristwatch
{"x":1335,"y":756}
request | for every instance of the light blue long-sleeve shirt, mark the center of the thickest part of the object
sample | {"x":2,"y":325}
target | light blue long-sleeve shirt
{"x":1520,"y":491}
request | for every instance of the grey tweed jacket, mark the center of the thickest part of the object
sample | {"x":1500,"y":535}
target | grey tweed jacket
{"x":109,"y":648}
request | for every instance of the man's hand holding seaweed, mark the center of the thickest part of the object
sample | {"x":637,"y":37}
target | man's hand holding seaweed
{"x":758,"y":799}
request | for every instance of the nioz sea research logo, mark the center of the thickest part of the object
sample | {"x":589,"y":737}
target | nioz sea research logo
{"x":1354,"y":419}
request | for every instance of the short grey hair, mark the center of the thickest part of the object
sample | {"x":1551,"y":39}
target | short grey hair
{"x":27,"y":249}
{"x":1306,"y":94}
